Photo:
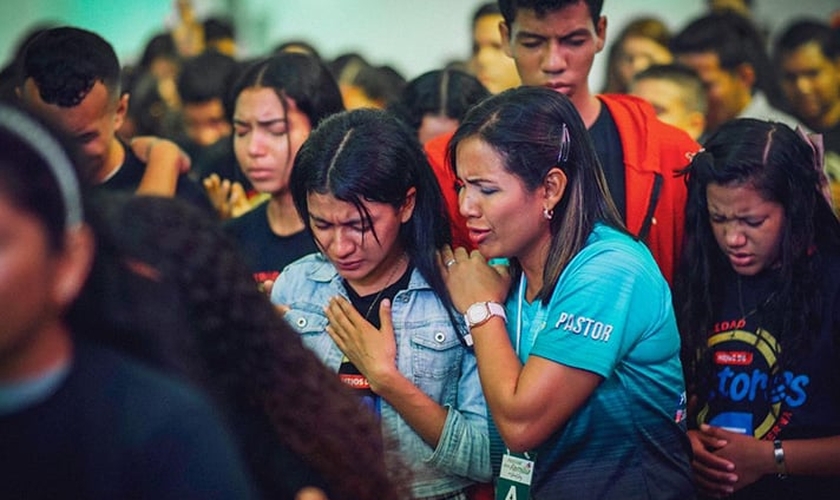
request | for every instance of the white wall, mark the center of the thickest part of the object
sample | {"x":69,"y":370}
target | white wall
{"x":418,"y":35}
{"x":412,"y":35}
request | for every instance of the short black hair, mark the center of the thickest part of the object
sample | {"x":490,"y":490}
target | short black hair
{"x":206,"y":76}
{"x":685,"y":77}
{"x":736,"y":41}
{"x":543,"y":7}
{"x":732,"y":37}
{"x":218,"y":28}
{"x":66,"y":62}
{"x":486,"y":9}
{"x":804,"y":31}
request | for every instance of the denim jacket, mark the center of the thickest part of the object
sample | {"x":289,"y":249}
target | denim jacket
{"x":429,"y":354}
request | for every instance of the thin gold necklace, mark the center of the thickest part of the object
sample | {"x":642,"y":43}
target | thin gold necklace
{"x":382,"y":290}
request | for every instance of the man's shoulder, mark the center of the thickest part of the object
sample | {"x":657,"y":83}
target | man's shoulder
{"x":127,"y":176}
{"x":637,"y":124}
{"x":625,"y":105}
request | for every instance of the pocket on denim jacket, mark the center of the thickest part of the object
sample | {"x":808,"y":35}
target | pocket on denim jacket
{"x":312,"y":328}
{"x":436,"y":352}
{"x":436,"y":361}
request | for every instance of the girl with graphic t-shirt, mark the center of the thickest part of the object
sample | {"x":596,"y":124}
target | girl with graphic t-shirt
{"x":758,"y":302}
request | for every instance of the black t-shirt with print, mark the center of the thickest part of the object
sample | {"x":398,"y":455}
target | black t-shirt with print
{"x":751,"y":395}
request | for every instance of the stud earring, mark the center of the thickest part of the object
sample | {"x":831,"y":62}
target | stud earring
{"x":547,"y":213}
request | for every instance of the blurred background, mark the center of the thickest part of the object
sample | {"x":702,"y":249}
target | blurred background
{"x":413,"y":36}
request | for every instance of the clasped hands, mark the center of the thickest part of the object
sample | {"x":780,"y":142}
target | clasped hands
{"x":725,"y":462}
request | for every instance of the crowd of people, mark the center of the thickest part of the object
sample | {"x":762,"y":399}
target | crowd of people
{"x":305,"y":278}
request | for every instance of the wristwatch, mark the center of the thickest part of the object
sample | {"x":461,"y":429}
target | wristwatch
{"x":480,"y":312}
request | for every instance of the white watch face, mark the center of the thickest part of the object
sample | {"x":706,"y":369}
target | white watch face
{"x":480,"y":312}
{"x":477,"y":313}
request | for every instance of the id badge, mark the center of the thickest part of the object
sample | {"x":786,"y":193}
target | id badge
{"x":515,"y":476}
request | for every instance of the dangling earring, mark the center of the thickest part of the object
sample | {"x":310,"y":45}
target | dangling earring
{"x":548,"y":213}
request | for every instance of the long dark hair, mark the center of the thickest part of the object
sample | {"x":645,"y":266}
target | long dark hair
{"x":444,"y":92}
{"x":370,"y":155}
{"x":300,"y":77}
{"x":526,"y":127}
{"x":778,"y":163}
{"x":170,"y":287}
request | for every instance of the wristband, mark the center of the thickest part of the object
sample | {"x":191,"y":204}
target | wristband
{"x":779,"y":458}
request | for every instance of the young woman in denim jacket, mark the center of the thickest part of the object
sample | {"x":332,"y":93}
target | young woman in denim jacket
{"x":372,"y":305}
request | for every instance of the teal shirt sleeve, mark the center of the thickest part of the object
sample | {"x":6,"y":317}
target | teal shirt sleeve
{"x":610,"y":297}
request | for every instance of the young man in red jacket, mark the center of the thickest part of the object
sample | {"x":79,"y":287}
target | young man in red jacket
{"x":554,"y":45}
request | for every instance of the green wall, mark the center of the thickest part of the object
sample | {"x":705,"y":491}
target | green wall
{"x":127,"y":24}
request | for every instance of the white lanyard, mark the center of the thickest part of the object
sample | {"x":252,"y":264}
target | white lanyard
{"x":512,"y":481}
{"x":537,"y":322}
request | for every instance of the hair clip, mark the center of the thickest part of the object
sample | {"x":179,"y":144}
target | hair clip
{"x":815,"y":142}
{"x":565,"y":145}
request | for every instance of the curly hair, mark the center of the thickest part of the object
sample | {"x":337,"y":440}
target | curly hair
{"x":215,"y":327}
{"x":65,"y":63}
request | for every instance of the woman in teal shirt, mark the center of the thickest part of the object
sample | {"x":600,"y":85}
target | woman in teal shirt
{"x":581,"y":364}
